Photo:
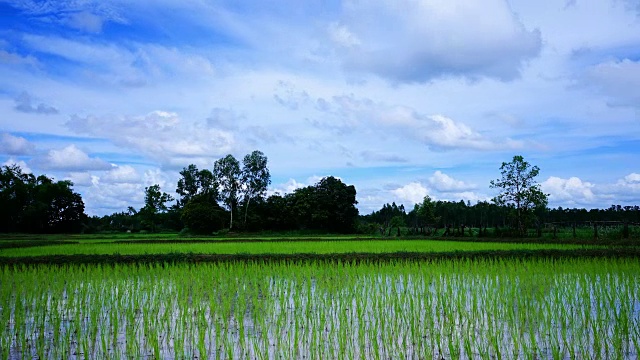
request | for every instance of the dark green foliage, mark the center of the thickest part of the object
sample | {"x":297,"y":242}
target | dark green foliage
{"x":155,"y":207}
{"x":227,"y":173}
{"x":255,"y":179}
{"x":329,"y":205}
{"x":196,"y":182}
{"x":203,"y":216}
{"x":38,"y":205}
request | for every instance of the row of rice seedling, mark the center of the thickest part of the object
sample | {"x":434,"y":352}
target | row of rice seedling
{"x":282,"y":247}
{"x":511,"y":309}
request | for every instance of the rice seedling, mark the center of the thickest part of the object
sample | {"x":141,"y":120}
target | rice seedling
{"x":516,"y":309}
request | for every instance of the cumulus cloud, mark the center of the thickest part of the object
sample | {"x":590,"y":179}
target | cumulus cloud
{"x":443,"y":132}
{"x":570,"y":191}
{"x":431,"y":39}
{"x":440,"y":187}
{"x":105,"y":198}
{"x":23,"y":165}
{"x":467,"y":196}
{"x":82,"y":179}
{"x":161,"y":135}
{"x":121,"y":174}
{"x":292,"y":184}
{"x":625,"y":190}
{"x":445,"y":183}
{"x":70,"y":158}
{"x":15,"y":145}
{"x":118,"y":188}
{"x":413,"y":192}
{"x":24,"y":104}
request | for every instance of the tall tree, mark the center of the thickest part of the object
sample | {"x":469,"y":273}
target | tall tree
{"x":194,"y":182}
{"x":255,"y":178}
{"x":519,"y":189}
{"x":155,"y":202}
{"x":227,"y":172}
{"x":188,"y":184}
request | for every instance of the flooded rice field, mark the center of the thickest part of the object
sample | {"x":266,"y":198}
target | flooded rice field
{"x":511,"y":309}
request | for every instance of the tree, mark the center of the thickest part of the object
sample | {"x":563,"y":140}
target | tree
{"x":38,"y":204}
{"x":255,"y":178}
{"x":519,"y":189}
{"x":194,"y":182}
{"x":396,"y":222}
{"x":335,"y":205}
{"x":227,"y":172}
{"x":202,"y":216}
{"x":16,"y":190}
{"x":154,"y":203}
{"x":426,"y":213}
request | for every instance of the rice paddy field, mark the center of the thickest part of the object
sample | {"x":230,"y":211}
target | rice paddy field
{"x":567,"y":302}
{"x":451,"y":309}
{"x":317,"y":246}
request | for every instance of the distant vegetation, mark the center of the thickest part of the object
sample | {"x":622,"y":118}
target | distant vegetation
{"x":231,"y":197}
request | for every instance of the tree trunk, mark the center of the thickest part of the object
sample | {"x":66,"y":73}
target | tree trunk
{"x":246,"y":211}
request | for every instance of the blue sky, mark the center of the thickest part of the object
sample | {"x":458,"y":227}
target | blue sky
{"x":400,"y":98}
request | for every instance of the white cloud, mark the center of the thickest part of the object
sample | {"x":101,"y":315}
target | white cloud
{"x":351,"y":115}
{"x":445,"y":183}
{"x":292,"y":184}
{"x":121,"y":174}
{"x":413,"y":192}
{"x":15,"y":145}
{"x":83,"y":179}
{"x":632,"y":179}
{"x":625,"y":190}
{"x":105,"y":198}
{"x":466,"y":196}
{"x":571,"y":191}
{"x":23,"y":165}
{"x":161,"y":135}
{"x":442,"y":131}
{"x":424,"y":40}
{"x":70,"y":158}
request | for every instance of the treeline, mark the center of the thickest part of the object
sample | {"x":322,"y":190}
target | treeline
{"x":451,"y":218}
{"x":38,"y":204}
{"x":232,"y":196}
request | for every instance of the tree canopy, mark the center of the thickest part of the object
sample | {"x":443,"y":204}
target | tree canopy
{"x":520,"y":190}
{"x":38,"y":204}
